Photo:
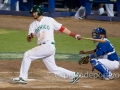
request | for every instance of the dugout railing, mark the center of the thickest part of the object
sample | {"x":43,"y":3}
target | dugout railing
{"x":52,"y":13}
{"x":88,"y":10}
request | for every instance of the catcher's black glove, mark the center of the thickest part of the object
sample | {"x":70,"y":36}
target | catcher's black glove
{"x":84,"y":60}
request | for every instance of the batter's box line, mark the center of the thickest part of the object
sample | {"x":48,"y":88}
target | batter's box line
{"x":12,"y":72}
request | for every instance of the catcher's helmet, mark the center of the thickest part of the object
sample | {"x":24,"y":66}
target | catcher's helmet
{"x":37,"y":8}
{"x":97,"y":31}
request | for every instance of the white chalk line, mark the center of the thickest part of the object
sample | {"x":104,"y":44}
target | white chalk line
{"x":69,"y":87}
{"x":11,"y":72}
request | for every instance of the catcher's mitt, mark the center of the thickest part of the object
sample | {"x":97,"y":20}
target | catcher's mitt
{"x":84,"y":60}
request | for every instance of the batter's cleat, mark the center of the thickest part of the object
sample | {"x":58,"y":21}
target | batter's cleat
{"x":19,"y":80}
{"x":75,"y":78}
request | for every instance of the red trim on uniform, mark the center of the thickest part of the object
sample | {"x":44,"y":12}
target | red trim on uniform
{"x":62,"y":29}
{"x":72,"y":34}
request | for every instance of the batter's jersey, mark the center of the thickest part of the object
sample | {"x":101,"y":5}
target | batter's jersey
{"x":106,"y":49}
{"x":44,"y":29}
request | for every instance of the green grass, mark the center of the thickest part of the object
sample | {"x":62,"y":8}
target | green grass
{"x":67,"y":44}
{"x":15,"y":41}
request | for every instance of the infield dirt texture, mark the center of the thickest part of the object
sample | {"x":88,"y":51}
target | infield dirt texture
{"x":39,"y":77}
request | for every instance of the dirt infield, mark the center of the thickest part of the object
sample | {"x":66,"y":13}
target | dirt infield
{"x":39,"y":77}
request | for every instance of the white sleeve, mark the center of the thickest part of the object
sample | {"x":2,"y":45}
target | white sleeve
{"x":56,"y":25}
{"x":31,"y":29}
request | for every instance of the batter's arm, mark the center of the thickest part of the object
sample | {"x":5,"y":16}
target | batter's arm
{"x":68,"y":32}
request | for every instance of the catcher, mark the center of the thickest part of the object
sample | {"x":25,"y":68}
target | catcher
{"x":104,"y":58}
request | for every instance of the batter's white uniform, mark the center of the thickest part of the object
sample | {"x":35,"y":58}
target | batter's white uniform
{"x":44,"y":30}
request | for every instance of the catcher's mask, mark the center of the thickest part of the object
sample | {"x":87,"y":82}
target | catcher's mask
{"x":37,"y":8}
{"x":97,"y":31}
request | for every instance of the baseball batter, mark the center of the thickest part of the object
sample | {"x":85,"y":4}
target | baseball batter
{"x":104,"y":57}
{"x":43,"y":28}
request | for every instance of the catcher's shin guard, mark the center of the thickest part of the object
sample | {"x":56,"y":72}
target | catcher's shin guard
{"x":101,"y":68}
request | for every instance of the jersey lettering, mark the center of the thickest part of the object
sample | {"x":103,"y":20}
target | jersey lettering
{"x":46,"y":27}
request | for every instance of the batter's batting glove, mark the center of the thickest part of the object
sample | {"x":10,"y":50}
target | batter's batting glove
{"x":29,"y":38}
{"x":31,"y":35}
{"x":78,"y":37}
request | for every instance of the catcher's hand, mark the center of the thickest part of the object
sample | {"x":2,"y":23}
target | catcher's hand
{"x":84,"y":60}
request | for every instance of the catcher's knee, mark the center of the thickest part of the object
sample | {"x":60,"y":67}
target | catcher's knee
{"x":94,"y":62}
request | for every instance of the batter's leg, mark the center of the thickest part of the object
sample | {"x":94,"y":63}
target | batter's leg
{"x":41,"y":51}
{"x":59,"y":71}
{"x":26,"y":62}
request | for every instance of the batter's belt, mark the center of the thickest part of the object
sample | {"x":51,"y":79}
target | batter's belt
{"x":46,"y":43}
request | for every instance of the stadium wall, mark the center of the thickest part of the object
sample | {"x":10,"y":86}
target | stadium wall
{"x":60,"y":8}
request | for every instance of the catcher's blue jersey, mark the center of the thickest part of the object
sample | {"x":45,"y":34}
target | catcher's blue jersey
{"x":106,"y":49}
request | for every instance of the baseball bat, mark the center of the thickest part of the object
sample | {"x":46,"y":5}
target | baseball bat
{"x":96,"y":40}
{"x":87,"y":38}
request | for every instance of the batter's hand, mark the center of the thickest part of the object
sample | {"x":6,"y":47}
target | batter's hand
{"x":78,"y":37}
{"x":32,"y":35}
{"x":29,"y":38}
